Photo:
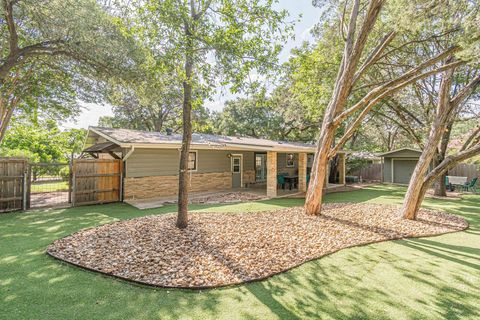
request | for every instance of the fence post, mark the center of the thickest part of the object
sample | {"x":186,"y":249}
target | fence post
{"x":73,"y":187}
{"x":24,"y":189}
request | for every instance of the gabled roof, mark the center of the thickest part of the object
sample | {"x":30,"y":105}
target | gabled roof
{"x":127,"y":138}
{"x":389,"y":153}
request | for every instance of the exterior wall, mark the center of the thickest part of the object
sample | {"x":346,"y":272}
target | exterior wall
{"x":161,"y":186}
{"x":282,"y":164}
{"x":164,"y":162}
{"x":387,"y":170}
{"x":153,"y":173}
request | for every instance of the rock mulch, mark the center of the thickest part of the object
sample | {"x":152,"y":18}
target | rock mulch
{"x":228,"y":197}
{"x":219,"y":249}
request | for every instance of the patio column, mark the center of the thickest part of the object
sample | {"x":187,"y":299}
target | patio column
{"x":302,"y":172}
{"x":341,"y":169}
{"x":271,"y":174}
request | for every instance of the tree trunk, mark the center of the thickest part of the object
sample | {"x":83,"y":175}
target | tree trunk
{"x":332,"y":177}
{"x":440,"y":188}
{"x":6,"y":113}
{"x":183,"y":183}
{"x":418,"y":186}
{"x":313,"y":199}
{"x":346,"y":78}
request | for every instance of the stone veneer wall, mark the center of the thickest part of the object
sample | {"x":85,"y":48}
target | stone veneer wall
{"x":161,"y":186}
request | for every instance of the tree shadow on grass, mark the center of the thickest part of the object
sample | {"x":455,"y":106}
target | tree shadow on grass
{"x":428,"y":278}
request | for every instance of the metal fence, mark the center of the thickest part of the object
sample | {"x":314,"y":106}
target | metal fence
{"x":49,"y":185}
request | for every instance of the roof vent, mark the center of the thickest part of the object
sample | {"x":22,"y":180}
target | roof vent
{"x":169,"y":131}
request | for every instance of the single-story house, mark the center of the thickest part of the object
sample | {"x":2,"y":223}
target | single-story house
{"x":151,"y":161}
{"x":398,"y":165}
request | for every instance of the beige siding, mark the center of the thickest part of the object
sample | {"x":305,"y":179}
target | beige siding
{"x":164,"y":162}
{"x":387,"y":170}
{"x":152,"y":162}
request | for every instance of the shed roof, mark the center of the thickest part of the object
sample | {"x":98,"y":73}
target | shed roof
{"x":401,"y":151}
{"x":126,"y":138}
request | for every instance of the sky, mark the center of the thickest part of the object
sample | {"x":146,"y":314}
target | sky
{"x":309,"y":17}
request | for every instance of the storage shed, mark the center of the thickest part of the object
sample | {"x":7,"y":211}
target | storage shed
{"x":398,"y":165}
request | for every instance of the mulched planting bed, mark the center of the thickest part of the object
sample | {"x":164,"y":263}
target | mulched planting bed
{"x":219,"y":249}
{"x":227,"y":197}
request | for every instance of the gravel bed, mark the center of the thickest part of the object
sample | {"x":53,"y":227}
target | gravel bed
{"x":227,"y":197}
{"x":219,"y":249}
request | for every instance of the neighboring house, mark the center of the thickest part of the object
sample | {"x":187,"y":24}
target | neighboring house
{"x":398,"y":165}
{"x":151,"y":161}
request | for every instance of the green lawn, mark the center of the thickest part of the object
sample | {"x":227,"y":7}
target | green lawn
{"x":49,"y":186}
{"x":429,"y":278}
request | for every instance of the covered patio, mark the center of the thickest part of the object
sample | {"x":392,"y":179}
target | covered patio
{"x":299,"y":173}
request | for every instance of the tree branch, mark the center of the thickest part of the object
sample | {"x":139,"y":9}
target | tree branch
{"x":400,"y":82}
{"x":12,"y":30}
{"x":374,"y":55}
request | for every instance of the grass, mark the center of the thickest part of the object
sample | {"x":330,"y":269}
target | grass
{"x":49,"y":186}
{"x":429,"y":278}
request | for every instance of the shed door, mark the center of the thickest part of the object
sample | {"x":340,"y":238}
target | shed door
{"x":236,"y":171}
{"x":403,"y":170}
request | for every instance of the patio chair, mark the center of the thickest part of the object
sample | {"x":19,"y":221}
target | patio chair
{"x":281,"y":180}
{"x":471,"y":186}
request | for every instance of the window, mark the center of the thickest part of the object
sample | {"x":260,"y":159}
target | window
{"x":236,"y":164}
{"x":192,"y":161}
{"x":290,"y":162}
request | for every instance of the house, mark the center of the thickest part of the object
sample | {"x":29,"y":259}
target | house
{"x":151,"y":161}
{"x":398,"y":165}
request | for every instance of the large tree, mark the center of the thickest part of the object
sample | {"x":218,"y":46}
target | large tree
{"x":448,"y":107}
{"x":215,"y":43}
{"x":53,"y":51}
{"x":279,"y":116}
{"x":351,"y":100}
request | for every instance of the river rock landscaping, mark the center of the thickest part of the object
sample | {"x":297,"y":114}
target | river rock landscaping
{"x":219,"y":249}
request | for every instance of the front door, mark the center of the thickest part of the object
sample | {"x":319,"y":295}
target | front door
{"x":236,"y":171}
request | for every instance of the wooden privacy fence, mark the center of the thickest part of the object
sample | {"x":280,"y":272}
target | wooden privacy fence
{"x":96,"y":181}
{"x":13,"y":184}
{"x":465,"y":170}
{"x":371,"y":172}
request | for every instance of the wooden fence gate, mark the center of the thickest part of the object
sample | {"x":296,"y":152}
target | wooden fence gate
{"x":13,"y":184}
{"x":96,"y":181}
